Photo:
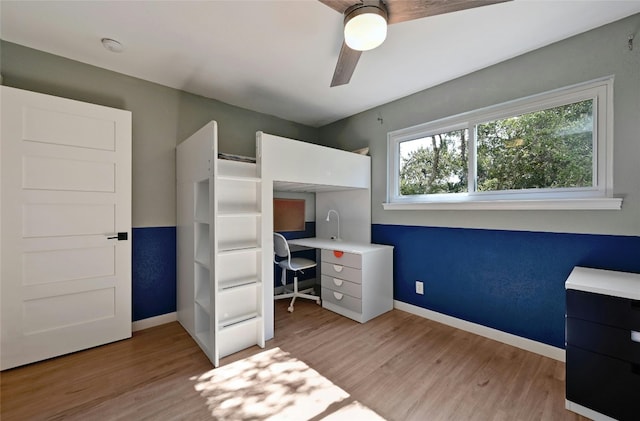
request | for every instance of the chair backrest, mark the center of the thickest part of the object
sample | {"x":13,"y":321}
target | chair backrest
{"x":280,"y":247}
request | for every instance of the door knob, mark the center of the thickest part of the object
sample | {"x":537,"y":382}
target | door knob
{"x":121,"y":236}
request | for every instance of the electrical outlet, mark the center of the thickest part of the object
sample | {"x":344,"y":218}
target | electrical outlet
{"x":419,"y":287}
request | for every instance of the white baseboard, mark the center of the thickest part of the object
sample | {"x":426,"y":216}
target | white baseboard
{"x":586,"y":412}
{"x":154,"y":321}
{"x":497,"y":335}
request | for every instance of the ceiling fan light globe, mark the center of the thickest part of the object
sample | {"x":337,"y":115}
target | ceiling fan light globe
{"x":365,"y":31}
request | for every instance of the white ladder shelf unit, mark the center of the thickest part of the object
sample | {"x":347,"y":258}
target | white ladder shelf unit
{"x":219,"y":255}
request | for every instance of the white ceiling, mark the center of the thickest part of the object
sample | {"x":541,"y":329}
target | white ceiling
{"x":278,"y":57}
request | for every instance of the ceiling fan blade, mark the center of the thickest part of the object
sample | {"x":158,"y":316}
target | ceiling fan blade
{"x":346,"y":65}
{"x":404,"y":10}
{"x":339,"y":5}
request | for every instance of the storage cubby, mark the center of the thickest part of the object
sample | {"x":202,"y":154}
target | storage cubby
{"x":203,"y":328}
{"x":202,"y":282}
{"x":203,"y":244}
{"x":201,"y":195}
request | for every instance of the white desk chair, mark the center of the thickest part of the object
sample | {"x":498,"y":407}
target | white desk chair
{"x":283,"y":259}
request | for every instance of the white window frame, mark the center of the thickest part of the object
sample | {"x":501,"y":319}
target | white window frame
{"x":599,"y":196}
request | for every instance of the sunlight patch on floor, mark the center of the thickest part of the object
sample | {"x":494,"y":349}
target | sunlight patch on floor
{"x":273,"y":385}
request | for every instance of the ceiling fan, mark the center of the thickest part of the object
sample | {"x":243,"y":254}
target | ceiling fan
{"x":365,"y":24}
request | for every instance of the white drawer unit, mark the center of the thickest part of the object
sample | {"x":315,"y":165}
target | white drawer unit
{"x":344,"y":302}
{"x":357,"y":283}
{"x":340,"y":257}
{"x":342,"y":272}
{"x":340,"y":285}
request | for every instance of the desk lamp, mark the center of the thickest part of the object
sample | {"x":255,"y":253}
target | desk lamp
{"x":338,"y":216}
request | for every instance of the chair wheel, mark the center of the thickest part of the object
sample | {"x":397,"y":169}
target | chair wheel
{"x":290,"y":309}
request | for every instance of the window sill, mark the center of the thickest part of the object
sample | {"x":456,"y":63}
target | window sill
{"x":541,"y":204}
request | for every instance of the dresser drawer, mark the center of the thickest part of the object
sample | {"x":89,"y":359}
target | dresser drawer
{"x":606,"y":385}
{"x":335,"y":270}
{"x":342,"y":300}
{"x":603,"y":339}
{"x":605,"y":309}
{"x":342,"y":258}
{"x":345,"y":287}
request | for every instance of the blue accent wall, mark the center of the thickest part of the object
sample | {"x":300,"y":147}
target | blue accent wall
{"x":154,"y":268}
{"x":512,"y":281}
{"x":153,"y":271}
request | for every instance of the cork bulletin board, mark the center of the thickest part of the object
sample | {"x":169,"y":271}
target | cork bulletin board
{"x":288,"y":215}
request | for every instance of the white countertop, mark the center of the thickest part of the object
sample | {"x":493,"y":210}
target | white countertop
{"x":607,"y":282}
{"x":329,"y":244}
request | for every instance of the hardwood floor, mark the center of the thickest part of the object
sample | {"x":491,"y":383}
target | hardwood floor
{"x":398,"y":365}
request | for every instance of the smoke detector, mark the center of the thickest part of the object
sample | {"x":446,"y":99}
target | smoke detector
{"x":112,"y":45}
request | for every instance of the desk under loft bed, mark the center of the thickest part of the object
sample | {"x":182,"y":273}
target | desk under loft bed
{"x":225,"y":223}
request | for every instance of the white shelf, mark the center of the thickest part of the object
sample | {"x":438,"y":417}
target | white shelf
{"x":239,"y":178}
{"x":225,"y":324}
{"x":203,"y":259}
{"x":238,"y":211}
{"x":235,"y":283}
{"x":240,"y":247}
{"x":205,"y":303}
{"x":203,"y":339}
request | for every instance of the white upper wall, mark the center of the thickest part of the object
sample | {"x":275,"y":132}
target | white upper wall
{"x":161,"y":118}
{"x":601,"y":52}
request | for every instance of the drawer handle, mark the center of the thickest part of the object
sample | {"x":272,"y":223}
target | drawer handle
{"x":635,"y":336}
{"x":338,"y":253}
{"x":337,"y":268}
{"x":338,"y":295}
{"x":338,"y":283}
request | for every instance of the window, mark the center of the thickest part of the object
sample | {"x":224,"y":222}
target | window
{"x":548,"y":151}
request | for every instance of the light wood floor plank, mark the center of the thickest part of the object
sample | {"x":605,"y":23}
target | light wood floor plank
{"x":399,"y":365}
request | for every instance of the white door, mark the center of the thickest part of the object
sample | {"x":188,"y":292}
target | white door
{"x":65,"y":194}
